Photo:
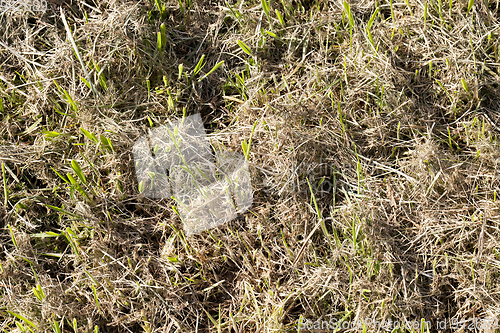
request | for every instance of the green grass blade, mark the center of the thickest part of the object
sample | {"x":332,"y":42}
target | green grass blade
{"x":76,"y":167}
{"x":106,"y":143}
{"x":244,"y":47}
{"x":372,"y":19}
{"x":55,"y":327}
{"x":60,"y":176}
{"x":72,"y":242}
{"x":60,"y":210}
{"x":163,"y":33}
{"x":212,"y":70}
{"x":280,"y":18}
{"x":51,"y":134}
{"x":5,"y":191}
{"x":469,"y":6}
{"x":18,"y":316}
{"x":464,"y":85}
{"x":158,"y":42}
{"x":96,"y":298}
{"x":89,"y":135}
{"x":347,"y":9}
{"x":12,"y":235}
{"x":199,"y":65}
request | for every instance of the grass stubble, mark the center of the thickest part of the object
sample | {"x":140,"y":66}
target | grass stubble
{"x":394,"y":106}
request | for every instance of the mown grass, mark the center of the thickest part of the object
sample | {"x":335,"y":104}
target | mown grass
{"x":371,"y":128}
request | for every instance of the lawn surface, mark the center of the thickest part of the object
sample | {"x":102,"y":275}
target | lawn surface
{"x":370,"y":128}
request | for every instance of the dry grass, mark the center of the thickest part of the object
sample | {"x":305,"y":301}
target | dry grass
{"x":374,"y":159}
